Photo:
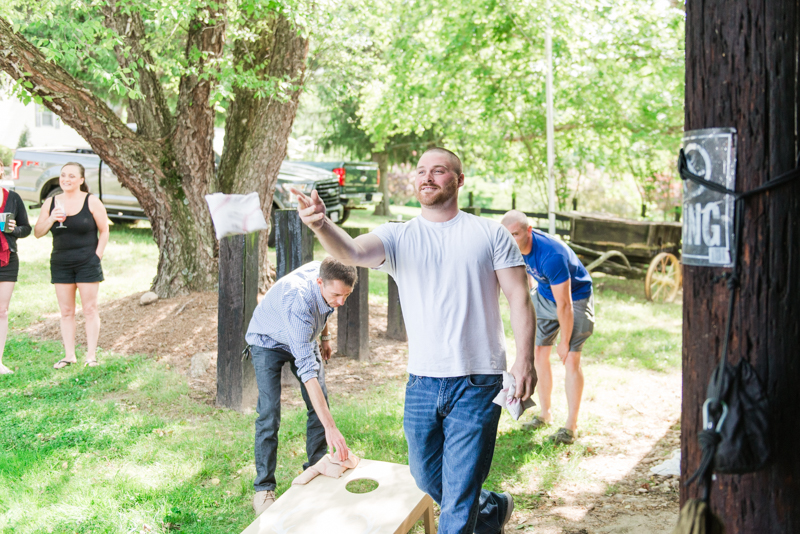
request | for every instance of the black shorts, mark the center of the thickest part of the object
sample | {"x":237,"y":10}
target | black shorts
{"x":85,"y":272}
{"x":9,"y":272}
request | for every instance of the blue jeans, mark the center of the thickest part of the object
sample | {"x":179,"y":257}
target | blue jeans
{"x":268,"y":364}
{"x":451,"y":428}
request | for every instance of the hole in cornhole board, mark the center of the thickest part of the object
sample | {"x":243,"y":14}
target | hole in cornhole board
{"x":361,"y":485}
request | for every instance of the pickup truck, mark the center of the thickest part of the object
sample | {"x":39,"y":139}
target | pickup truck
{"x":359,"y":182}
{"x":35,"y":173}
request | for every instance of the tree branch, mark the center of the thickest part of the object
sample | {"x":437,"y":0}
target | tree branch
{"x":151,"y":112}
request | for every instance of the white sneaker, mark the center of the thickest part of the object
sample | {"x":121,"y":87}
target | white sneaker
{"x":509,"y":511}
{"x":263,"y":500}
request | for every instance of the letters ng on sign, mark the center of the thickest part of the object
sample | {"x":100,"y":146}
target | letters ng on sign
{"x":708,"y":215}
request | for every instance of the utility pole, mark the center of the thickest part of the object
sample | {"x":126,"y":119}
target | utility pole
{"x":742,"y":72}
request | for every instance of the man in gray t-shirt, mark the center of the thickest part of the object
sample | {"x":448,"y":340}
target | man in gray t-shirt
{"x":449,"y":267}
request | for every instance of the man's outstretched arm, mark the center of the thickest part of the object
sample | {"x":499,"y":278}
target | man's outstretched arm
{"x":364,"y":251}
{"x":514,"y":283}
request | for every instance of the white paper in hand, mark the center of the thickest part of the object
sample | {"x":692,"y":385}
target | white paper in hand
{"x":236,"y":214}
{"x":507,"y":400}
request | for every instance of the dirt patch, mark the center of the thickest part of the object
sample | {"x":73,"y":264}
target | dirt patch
{"x":170,"y":330}
{"x":634,"y":412}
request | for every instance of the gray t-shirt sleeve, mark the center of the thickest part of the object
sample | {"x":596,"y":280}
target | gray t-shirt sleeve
{"x":505,"y":252}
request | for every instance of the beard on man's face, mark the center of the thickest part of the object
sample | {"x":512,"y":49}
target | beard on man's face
{"x":439,"y":197}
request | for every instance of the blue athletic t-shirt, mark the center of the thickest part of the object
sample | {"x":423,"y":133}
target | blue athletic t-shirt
{"x":551,"y":262}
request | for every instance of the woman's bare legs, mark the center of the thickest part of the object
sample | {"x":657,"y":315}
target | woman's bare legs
{"x":65,"y":293}
{"x":89,"y":292}
{"x":6,"y":288}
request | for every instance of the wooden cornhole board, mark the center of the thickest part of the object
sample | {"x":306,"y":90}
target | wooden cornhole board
{"x":325,"y":506}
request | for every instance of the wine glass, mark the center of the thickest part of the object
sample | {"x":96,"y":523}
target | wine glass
{"x":60,"y":206}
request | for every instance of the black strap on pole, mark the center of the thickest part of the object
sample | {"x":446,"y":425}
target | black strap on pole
{"x":714,"y":410}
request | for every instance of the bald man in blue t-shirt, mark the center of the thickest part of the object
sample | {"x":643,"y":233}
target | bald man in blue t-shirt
{"x":563,"y":301}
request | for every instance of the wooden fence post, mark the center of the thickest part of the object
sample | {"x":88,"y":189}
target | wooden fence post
{"x":474,"y":210}
{"x":353,"y":317}
{"x":238,"y":288}
{"x":294,"y":242}
{"x":294,"y":246}
{"x":395,"y":325}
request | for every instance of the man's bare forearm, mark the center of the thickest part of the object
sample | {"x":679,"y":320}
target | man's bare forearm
{"x":363,"y":251}
{"x":566,"y":319}
{"x":523,"y":324}
{"x":337,"y":242}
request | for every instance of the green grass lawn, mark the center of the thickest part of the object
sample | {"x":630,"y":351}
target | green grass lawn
{"x":125,"y":447}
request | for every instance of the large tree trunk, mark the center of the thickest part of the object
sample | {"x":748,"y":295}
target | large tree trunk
{"x":258,"y":127}
{"x":382,"y":159}
{"x":742,"y":71}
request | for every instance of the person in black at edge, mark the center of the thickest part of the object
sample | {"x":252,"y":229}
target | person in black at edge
{"x":75,"y":260}
{"x":16,"y":227}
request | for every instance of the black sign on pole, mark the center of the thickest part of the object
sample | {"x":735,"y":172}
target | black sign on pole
{"x":238,"y":288}
{"x":707,"y":215}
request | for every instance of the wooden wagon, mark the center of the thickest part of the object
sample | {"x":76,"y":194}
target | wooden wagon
{"x":645,"y":249}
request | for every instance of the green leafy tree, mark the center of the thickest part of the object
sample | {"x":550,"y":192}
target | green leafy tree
{"x":342,"y":62}
{"x":176,"y":65}
{"x":475,"y":71}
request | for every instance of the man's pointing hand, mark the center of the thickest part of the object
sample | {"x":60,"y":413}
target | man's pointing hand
{"x":310,"y":208}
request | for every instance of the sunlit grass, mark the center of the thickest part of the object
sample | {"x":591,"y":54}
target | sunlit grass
{"x":126,"y":448}
{"x":123,"y":448}
{"x":115,"y":448}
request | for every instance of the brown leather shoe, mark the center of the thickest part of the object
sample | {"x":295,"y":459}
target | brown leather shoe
{"x":263,"y":500}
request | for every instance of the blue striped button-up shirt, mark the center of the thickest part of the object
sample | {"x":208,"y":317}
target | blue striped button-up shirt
{"x":291,"y":316}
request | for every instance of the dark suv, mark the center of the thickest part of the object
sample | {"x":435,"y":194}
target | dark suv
{"x":359,"y":183}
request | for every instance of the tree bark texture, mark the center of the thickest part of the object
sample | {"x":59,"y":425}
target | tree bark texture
{"x":742,"y":71}
{"x":258,"y":127}
{"x":382,"y":159}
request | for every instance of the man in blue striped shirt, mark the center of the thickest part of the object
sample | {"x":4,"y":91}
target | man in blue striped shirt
{"x":284,"y":328}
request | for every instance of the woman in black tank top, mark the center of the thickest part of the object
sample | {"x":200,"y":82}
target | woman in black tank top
{"x":78,"y":244}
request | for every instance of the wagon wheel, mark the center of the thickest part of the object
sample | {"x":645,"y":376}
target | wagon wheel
{"x":663,"y":278}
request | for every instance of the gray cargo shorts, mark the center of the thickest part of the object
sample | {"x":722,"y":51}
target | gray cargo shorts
{"x":547,"y":326}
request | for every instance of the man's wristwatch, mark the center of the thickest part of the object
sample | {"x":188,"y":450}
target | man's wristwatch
{"x":325,"y":338}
